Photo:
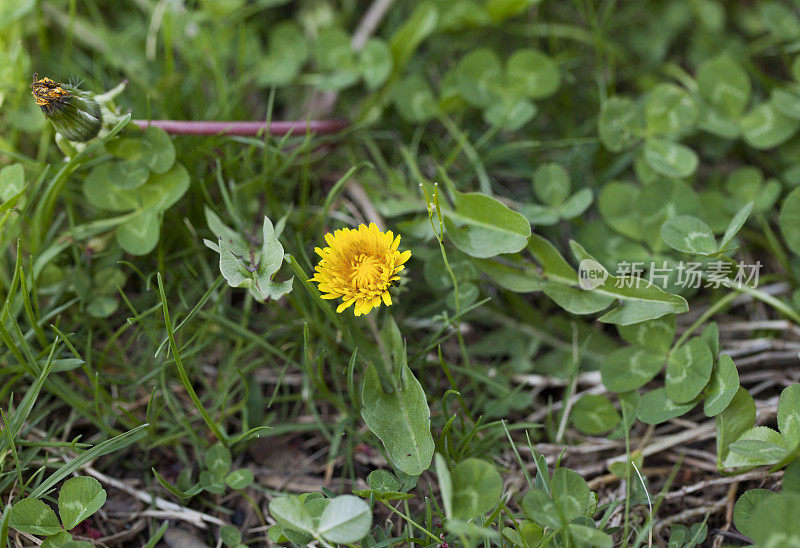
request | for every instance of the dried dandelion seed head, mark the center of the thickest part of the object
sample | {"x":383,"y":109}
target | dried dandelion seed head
{"x":358,"y":266}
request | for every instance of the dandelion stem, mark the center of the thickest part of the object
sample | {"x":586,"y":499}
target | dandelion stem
{"x":205,"y":127}
{"x":382,"y":366}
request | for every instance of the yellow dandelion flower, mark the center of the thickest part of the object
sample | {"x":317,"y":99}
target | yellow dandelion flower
{"x":359,"y":265}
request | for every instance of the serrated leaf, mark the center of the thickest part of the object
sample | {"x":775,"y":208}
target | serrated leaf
{"x":271,"y":251}
{"x":233,"y":269}
{"x":236,"y":243}
{"x":240,"y":270}
{"x":270,"y":261}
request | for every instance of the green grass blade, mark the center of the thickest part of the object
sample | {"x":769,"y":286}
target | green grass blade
{"x":182,"y":371}
{"x":114,"y":444}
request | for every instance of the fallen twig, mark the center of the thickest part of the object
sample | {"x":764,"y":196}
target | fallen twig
{"x":168,"y":510}
{"x":686,"y":515}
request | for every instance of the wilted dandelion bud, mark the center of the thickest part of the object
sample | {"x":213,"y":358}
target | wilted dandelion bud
{"x":74,"y":112}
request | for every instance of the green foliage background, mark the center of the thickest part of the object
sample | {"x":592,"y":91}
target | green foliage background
{"x":551,"y":133}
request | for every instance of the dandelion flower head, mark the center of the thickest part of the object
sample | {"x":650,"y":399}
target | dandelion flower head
{"x":359,"y":265}
{"x":73,"y":112}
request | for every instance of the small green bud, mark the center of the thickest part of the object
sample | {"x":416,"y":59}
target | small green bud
{"x":73,"y":112}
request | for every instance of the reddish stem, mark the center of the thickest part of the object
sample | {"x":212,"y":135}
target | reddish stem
{"x":296,"y":127}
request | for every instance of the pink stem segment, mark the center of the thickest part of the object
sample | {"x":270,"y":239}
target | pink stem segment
{"x":295,"y":127}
